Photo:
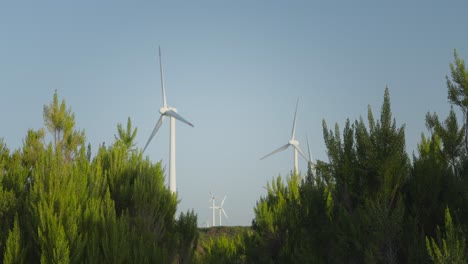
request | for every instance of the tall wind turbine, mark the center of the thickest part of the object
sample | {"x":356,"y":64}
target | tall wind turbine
{"x":292,"y":142}
{"x":221,"y":209}
{"x":212,"y":199}
{"x":171,"y":112}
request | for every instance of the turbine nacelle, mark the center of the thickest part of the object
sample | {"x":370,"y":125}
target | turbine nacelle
{"x":164,"y":109}
{"x":294,"y":142}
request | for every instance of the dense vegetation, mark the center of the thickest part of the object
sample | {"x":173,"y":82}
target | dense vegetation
{"x":369,"y":203}
{"x":57,"y":205}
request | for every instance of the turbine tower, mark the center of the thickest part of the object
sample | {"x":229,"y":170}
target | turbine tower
{"x":221,"y":209}
{"x":171,"y":112}
{"x":212,"y":199}
{"x":292,"y":142}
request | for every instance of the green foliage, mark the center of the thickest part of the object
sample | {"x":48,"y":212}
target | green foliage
{"x":223,"y":250}
{"x":438,"y":178}
{"x":451,"y":137}
{"x":54,"y":118}
{"x":33,"y":147}
{"x":458,"y":89}
{"x":126,"y":137}
{"x":427,"y":189}
{"x":8,"y":206}
{"x":352,"y":211}
{"x":14,"y":249}
{"x":113,"y":208}
{"x":291,"y":224}
{"x":53,"y":242}
{"x":187,"y":236}
{"x":369,"y":167}
{"x":60,"y":122}
{"x":450,"y":247}
{"x":366,"y":204}
{"x":458,"y":86}
{"x":435,"y":178}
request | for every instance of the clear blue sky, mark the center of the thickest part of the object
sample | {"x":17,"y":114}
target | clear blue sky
{"x":234,"y":69}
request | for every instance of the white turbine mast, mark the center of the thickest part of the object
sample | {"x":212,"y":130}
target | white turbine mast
{"x":213,"y":207}
{"x":292,"y":142}
{"x":171,"y":112}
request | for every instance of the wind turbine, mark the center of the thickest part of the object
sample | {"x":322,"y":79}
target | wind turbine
{"x":212,"y":199}
{"x":221,"y":209}
{"x":171,"y":112}
{"x":292,"y":142}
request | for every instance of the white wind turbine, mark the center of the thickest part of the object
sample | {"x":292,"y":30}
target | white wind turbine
{"x":221,"y":209}
{"x":212,"y":199}
{"x":292,"y":142}
{"x":171,"y":112}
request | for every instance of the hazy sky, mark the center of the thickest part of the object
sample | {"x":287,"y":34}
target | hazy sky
{"x":232,"y":68}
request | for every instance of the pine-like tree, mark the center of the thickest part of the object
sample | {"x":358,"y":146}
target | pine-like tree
{"x":14,"y":249}
{"x":458,"y":89}
{"x":126,"y":137}
{"x":450,"y":247}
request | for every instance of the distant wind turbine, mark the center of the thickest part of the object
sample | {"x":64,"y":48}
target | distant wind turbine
{"x":172,"y":114}
{"x":212,"y":199}
{"x":292,"y":142}
{"x":221,"y":209}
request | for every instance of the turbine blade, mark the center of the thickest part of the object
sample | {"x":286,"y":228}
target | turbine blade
{"x":308,"y":148}
{"x":222,"y":202}
{"x":162,"y":79}
{"x":224,"y":212}
{"x":300,"y":152}
{"x":177,"y":116}
{"x":158,"y":125}
{"x":293,"y":133}
{"x":276,"y":151}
